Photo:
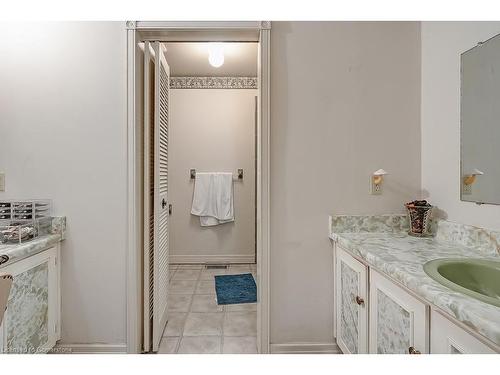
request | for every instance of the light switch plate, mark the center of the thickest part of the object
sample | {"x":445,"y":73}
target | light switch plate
{"x":375,"y":189}
{"x":2,"y":181}
{"x":466,"y":189}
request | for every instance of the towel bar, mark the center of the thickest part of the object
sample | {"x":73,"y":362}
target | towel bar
{"x":192,"y":173}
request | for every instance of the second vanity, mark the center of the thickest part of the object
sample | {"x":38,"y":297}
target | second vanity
{"x":386,"y":303}
{"x":31,"y":322}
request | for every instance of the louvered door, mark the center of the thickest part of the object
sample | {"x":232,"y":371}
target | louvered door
{"x":160,"y":268}
{"x":156,"y":249}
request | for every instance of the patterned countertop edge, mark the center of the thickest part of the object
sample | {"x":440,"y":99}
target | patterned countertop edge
{"x":479,"y":240}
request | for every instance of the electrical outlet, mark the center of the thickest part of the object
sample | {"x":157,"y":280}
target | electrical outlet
{"x":466,"y":189}
{"x":2,"y":181}
{"x":375,"y":189}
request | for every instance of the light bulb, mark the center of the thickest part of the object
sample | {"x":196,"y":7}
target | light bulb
{"x":216,"y":54}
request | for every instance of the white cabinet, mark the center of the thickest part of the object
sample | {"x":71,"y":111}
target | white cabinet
{"x":389,"y":319}
{"x":31,"y":321}
{"x":352,"y":309}
{"x":398,"y":321}
{"x":449,"y":338}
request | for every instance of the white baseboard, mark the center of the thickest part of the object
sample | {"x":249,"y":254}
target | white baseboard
{"x":245,"y":258}
{"x":90,"y":349}
{"x":288,"y":348}
{"x":305,"y":348}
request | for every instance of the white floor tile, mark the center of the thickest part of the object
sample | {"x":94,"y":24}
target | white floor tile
{"x":175,"y":324}
{"x":203,"y":324}
{"x":241,"y":307}
{"x":240,"y":324}
{"x":179,"y":302}
{"x":205,"y":303}
{"x":182,"y":286}
{"x":186,"y":274}
{"x":208,"y":274}
{"x":168,"y":345}
{"x":205,"y":287}
{"x":200,"y":345}
{"x":239,"y":345}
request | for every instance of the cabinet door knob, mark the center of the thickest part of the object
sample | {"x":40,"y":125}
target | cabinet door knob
{"x":412,"y":350}
{"x":359,"y":300}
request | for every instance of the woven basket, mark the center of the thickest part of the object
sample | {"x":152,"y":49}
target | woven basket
{"x":419,"y":217}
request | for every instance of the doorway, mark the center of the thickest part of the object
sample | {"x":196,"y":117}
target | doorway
{"x":212,"y":134}
{"x":195,"y":265}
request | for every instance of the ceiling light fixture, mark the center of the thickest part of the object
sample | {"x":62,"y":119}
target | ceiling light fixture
{"x":216,"y":54}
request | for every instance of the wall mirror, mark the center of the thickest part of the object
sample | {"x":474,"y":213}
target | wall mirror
{"x":480,"y":123}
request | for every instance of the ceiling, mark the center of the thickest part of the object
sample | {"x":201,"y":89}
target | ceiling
{"x":191,"y":59}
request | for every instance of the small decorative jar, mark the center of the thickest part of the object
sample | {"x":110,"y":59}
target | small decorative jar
{"x":419,"y":215}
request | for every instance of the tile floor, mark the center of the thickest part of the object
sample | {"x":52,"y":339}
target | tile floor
{"x":197,"y":325}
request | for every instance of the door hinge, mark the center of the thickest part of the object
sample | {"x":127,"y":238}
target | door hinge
{"x":170,"y":209}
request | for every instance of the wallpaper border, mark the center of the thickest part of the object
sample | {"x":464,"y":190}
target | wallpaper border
{"x":213,"y":83}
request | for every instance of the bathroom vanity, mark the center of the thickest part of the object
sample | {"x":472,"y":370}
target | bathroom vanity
{"x":31,"y":322}
{"x":386,"y":303}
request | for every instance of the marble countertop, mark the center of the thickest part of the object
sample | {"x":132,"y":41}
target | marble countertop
{"x":401,"y":257}
{"x":16,"y":252}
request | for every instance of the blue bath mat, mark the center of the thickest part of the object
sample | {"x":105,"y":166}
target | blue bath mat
{"x":233,"y":289}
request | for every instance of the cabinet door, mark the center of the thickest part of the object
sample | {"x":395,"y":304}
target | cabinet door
{"x":448,"y":338}
{"x":398,"y":321}
{"x":30,"y":321}
{"x":351,"y":304}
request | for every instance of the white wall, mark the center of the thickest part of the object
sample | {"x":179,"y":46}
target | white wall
{"x":345,"y":101}
{"x":212,"y":130}
{"x":63,"y":136}
{"x":442,"y":44}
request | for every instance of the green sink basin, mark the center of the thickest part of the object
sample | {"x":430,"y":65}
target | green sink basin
{"x":477,"y":278}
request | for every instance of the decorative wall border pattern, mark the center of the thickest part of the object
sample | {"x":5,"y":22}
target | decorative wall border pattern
{"x":213,"y":83}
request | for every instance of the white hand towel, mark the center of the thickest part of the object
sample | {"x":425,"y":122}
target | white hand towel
{"x":213,"y":198}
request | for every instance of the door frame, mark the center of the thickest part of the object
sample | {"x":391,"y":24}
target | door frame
{"x":134,"y":179}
